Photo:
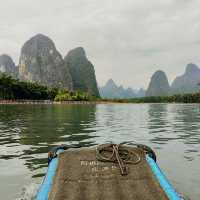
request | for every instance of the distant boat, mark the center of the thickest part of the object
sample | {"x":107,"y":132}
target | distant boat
{"x":107,"y":172}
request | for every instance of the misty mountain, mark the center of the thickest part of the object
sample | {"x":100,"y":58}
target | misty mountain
{"x":159,"y":85}
{"x":8,"y":66}
{"x":112,"y":91}
{"x":140,"y":93}
{"x":188,"y":82}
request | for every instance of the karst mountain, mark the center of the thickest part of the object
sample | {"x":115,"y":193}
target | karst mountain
{"x":41,"y":62}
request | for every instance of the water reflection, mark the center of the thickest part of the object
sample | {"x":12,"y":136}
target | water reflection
{"x":158,"y":124}
{"x":174,"y":122}
{"x":187,"y":125}
{"x":36,"y":129}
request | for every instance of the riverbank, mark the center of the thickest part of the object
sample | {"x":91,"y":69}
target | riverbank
{"x":15,"y":102}
{"x":49,"y":102}
{"x":117,"y":101}
{"x":79,"y":98}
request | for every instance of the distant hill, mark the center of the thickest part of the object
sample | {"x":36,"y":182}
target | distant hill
{"x":112,"y":91}
{"x":159,"y":85}
{"x":82,"y":71}
{"x":188,"y":82}
{"x":141,"y":93}
{"x":8,"y":66}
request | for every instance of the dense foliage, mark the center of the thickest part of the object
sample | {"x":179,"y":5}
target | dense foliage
{"x":14,"y":89}
{"x":179,"y":98}
{"x":64,"y":95}
{"x":11,"y":88}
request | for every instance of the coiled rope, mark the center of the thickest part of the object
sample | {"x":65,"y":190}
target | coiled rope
{"x":117,"y":154}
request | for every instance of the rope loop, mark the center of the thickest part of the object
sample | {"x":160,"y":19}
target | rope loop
{"x":117,"y":154}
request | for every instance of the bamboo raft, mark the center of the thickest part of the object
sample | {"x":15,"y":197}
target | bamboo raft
{"x":108,"y":172}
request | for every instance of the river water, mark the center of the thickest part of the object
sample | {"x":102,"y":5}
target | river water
{"x":28,"y":132}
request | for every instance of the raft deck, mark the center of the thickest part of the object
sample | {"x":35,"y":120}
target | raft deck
{"x":80,"y":176}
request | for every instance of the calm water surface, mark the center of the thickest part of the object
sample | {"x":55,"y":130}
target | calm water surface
{"x":28,"y":132}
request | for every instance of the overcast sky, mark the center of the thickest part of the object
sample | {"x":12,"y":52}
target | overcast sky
{"x":126,"y":40}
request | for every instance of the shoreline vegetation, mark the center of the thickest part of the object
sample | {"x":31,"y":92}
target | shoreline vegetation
{"x":14,"y":91}
{"x":177,"y":98}
{"x":17,"y":90}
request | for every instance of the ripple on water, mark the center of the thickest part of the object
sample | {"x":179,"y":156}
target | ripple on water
{"x":28,"y":132}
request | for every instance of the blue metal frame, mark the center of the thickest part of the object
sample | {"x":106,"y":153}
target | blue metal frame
{"x":164,"y":183}
{"x":45,"y":188}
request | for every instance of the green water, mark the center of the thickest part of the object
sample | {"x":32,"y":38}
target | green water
{"x":27,"y":132}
